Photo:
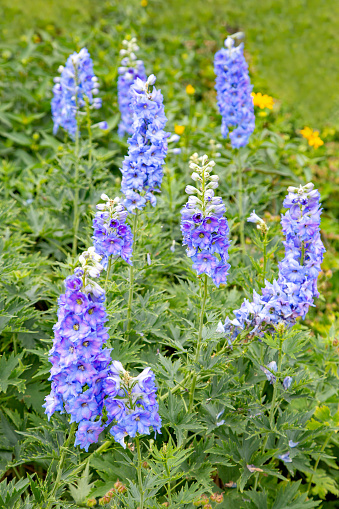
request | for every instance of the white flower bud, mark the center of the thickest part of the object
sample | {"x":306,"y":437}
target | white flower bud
{"x":104,"y":197}
{"x":195,"y":176}
{"x":190,"y":190}
{"x":214,"y":178}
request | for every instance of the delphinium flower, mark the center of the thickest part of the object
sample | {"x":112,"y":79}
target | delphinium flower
{"x":142,"y":170}
{"x":234,"y":89}
{"x":205,"y":229}
{"x":131,"y":404}
{"x":291,"y":295}
{"x":112,"y":235}
{"x":78,"y":357}
{"x":130,"y":69}
{"x":76,"y":86}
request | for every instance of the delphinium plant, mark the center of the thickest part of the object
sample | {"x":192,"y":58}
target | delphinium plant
{"x":130,"y":69}
{"x":206,"y":234}
{"x":236,"y":108}
{"x":74,"y":96}
{"x":142,"y":169}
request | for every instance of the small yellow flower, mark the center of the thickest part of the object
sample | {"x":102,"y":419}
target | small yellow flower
{"x":314,"y":140}
{"x":263,"y":101}
{"x":306,"y":132}
{"x":262,"y":114}
{"x":312,"y":137}
{"x":143,"y":3}
{"x":179,"y":129}
{"x":190,"y":90}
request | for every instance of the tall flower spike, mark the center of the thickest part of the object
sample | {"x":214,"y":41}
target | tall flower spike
{"x":289,"y":297}
{"x":78,"y":357}
{"x":76,"y":85}
{"x":112,"y":235}
{"x":205,"y":229}
{"x":142,"y":170}
{"x":132,"y":404}
{"x":131,"y":68}
{"x":234,"y":89}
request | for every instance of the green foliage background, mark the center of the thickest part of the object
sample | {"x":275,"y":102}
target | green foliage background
{"x":294,"y":44}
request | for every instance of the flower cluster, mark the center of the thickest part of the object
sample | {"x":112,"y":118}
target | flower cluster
{"x":289,"y":297}
{"x":312,"y":137}
{"x":234,"y":88}
{"x":131,"y":404}
{"x":78,"y":357}
{"x":112,"y":236}
{"x":205,"y":229}
{"x":130,"y":69}
{"x":76,"y":86}
{"x":262,"y":100}
{"x":142,"y":170}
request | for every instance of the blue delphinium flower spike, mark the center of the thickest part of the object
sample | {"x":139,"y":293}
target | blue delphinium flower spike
{"x":205,"y":229}
{"x":76,"y":85}
{"x":131,"y":404}
{"x":112,"y":235}
{"x":131,"y":68}
{"x":78,"y":357}
{"x":234,"y":89}
{"x":142,"y":169}
{"x":291,"y":295}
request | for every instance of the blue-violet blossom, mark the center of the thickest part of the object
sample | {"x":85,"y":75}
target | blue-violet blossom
{"x":205,"y":229}
{"x":130,"y":69}
{"x":112,"y":235}
{"x":291,"y":295}
{"x":234,"y":89}
{"x":131,"y":404}
{"x":76,"y":86}
{"x":78,"y":357}
{"x":142,"y":170}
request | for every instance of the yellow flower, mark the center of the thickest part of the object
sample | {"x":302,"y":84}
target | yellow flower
{"x":263,"y":101}
{"x":179,"y":129}
{"x":313,"y":137}
{"x":190,"y":90}
{"x":314,"y":140}
{"x":306,"y":132}
{"x":262,"y":114}
{"x":143,"y":3}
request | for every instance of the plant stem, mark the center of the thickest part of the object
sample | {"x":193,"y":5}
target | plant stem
{"x":240,"y":205}
{"x":76,"y":192}
{"x":108,"y":271}
{"x":273,"y":402}
{"x":61,"y":464}
{"x":131,"y":276}
{"x":197,"y":353}
{"x":318,"y":460}
{"x":139,"y":474}
{"x":265,"y":259}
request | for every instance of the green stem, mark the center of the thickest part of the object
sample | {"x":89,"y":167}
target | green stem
{"x":131,"y":277}
{"x":272,"y":409}
{"x":141,"y":491}
{"x":61,"y":464}
{"x":265,"y":259}
{"x":318,"y":460}
{"x":76,"y":192}
{"x":240,"y":206}
{"x":108,"y":271}
{"x":197,"y":353}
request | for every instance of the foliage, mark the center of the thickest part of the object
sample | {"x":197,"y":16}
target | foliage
{"x":231,"y":435}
